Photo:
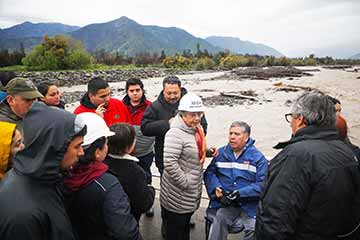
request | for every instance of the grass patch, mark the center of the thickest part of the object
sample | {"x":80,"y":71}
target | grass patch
{"x":15,"y":68}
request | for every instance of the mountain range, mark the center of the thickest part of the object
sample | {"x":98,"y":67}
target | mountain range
{"x":356,"y":56}
{"x":28,"y":29}
{"x":242,"y":47}
{"x":128,"y":37}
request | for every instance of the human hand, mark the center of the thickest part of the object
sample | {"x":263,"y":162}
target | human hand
{"x":218,"y":192}
{"x":211,"y":152}
{"x":214,"y":151}
{"x":100,"y":110}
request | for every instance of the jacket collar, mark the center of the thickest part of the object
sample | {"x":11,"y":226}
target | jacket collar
{"x":127,"y":102}
{"x":229,"y":152}
{"x":85,"y":101}
{"x":6,"y":111}
{"x":310,"y":133}
{"x":125,"y":156}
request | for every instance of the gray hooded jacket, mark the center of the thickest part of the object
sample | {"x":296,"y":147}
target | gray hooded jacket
{"x":31,"y":203}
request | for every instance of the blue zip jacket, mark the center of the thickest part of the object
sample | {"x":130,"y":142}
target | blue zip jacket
{"x":245,"y":174}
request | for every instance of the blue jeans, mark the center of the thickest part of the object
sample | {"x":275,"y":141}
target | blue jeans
{"x":145,"y":162}
{"x":225,"y":218}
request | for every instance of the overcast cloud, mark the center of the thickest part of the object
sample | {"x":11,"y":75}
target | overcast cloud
{"x":295,"y":28}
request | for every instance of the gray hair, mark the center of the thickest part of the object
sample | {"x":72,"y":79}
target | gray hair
{"x":246,"y":128}
{"x":316,"y":108}
{"x":172,"y":79}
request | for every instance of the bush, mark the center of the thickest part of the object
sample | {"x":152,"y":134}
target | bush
{"x":204,"y":63}
{"x":233,"y":61}
{"x":282,"y":61}
{"x":55,"y":53}
{"x":177,"y":62}
{"x":310,"y":62}
{"x":297,"y":62}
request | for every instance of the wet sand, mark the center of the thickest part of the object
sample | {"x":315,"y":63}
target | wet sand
{"x":266,"y":118}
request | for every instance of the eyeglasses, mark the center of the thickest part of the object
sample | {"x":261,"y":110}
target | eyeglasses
{"x":196,"y":114}
{"x":288,"y":117}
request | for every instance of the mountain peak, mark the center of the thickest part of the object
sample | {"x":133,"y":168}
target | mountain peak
{"x":26,"y":23}
{"x":124,"y":20}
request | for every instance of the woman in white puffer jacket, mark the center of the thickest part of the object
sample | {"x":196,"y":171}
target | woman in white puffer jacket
{"x":184,"y":155}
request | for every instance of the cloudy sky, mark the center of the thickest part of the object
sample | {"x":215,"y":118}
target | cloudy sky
{"x":294,"y":27}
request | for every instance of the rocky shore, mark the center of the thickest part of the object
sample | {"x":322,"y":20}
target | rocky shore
{"x":71,"y":78}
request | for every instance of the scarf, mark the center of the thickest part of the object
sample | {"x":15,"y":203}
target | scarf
{"x":201,"y":144}
{"x":84,"y":174}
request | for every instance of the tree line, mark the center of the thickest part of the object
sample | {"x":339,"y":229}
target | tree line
{"x":61,"y":52}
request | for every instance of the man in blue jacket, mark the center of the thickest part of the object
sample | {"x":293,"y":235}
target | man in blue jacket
{"x":233,"y":181}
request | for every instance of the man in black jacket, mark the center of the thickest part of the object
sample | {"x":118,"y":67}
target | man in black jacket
{"x":313,"y":183}
{"x":158,"y":116}
{"x":31,"y":203}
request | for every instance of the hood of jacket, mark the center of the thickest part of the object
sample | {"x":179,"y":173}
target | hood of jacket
{"x":6,"y":135}
{"x":85,"y":101}
{"x":179,"y":123}
{"x":48,"y":132}
{"x":310,"y":133}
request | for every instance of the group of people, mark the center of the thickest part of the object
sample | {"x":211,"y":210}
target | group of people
{"x":88,"y":175}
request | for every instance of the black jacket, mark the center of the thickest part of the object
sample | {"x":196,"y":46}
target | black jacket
{"x":155,"y":122}
{"x":134,"y":181}
{"x":31,"y":204}
{"x":101,"y":211}
{"x":310,"y":190}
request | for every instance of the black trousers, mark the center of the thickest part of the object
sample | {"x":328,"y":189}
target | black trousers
{"x":176,"y":225}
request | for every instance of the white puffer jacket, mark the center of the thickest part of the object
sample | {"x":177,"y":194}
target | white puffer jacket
{"x":182,"y":178}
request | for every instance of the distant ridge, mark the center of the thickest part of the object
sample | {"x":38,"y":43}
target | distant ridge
{"x":128,"y":37}
{"x":28,"y":29}
{"x":356,"y":56}
{"x":243,"y":47}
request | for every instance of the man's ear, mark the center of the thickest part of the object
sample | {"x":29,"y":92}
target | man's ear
{"x":10,"y":99}
{"x":97,"y":154}
{"x":300,"y":123}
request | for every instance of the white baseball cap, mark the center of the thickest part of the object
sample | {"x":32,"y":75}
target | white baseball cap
{"x":191,"y":103}
{"x":96,"y":128}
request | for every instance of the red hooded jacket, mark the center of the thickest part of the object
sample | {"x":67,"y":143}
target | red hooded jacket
{"x":136,"y":113}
